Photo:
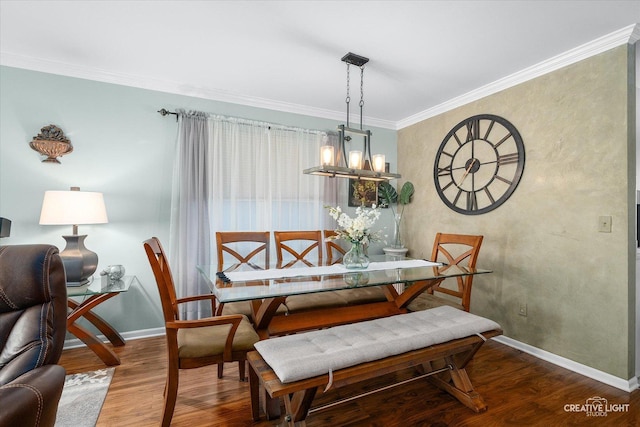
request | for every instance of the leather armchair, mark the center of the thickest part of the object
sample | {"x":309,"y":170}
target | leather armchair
{"x":33,"y":323}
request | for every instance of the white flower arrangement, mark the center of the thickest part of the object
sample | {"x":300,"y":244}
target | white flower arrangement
{"x":358,"y":229}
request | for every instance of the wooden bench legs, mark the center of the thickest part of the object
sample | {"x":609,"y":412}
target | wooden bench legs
{"x":270,"y":405}
{"x":442,"y":364}
{"x":456,"y":382}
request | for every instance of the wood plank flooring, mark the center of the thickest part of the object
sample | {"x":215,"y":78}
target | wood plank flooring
{"x":519,"y":389}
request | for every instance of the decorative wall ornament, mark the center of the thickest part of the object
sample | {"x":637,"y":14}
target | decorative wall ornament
{"x":52,"y":143}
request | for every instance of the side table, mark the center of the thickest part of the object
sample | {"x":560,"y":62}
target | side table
{"x":91,"y":296}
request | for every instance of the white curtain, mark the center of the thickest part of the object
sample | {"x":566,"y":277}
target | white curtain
{"x":234,"y":174}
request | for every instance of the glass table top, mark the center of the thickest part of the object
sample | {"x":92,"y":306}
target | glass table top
{"x":321,"y":279}
{"x":101,"y":285}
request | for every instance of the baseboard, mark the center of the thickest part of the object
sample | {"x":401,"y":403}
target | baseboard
{"x":132,"y":335}
{"x":576,"y":367}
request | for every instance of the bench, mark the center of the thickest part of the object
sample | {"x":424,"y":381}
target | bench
{"x":438,"y":343}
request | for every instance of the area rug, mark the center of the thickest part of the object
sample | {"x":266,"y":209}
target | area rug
{"x":82,"y":398}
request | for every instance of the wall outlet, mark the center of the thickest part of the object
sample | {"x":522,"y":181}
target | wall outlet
{"x":604,"y":224}
{"x":522,"y":309}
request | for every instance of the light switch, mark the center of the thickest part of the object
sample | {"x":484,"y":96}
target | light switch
{"x":604,"y":224}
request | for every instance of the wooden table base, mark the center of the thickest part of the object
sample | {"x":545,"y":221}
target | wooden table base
{"x":83,"y":309}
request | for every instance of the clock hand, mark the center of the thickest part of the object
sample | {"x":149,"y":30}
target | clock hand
{"x":466,"y":172}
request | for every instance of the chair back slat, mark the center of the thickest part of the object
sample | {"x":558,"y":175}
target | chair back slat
{"x":457,"y":249}
{"x":335,"y":252}
{"x":299,"y":244}
{"x":245,"y":247}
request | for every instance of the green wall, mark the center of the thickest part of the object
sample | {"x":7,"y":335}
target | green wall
{"x":123,"y":148}
{"x":543,"y":245}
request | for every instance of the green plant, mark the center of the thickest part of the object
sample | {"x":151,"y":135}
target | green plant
{"x":389,"y":195}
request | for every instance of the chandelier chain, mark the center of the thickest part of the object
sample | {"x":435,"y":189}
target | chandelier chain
{"x":361,"y":93}
{"x":348,"y":98}
{"x":361,"y":86}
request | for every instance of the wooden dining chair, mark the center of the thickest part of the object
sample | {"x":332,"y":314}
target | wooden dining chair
{"x":195,"y":343}
{"x":235,"y":248}
{"x":335,"y":252}
{"x":300,"y":245}
{"x":451,"y":249}
{"x":306,"y":248}
{"x":243,"y":247}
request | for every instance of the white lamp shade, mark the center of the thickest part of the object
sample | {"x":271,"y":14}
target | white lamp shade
{"x":73,"y":208}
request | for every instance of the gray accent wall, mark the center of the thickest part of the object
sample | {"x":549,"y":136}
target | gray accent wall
{"x":578,"y":127}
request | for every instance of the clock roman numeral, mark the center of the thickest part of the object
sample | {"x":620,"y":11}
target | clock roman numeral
{"x":473,"y":130}
{"x":498,"y":177}
{"x":455,"y":201}
{"x":472,"y":201}
{"x":444,"y":171}
{"x":448,"y":185}
{"x":508,"y":158}
{"x":489,"y":195}
{"x":499,"y":143}
{"x":486,"y":135}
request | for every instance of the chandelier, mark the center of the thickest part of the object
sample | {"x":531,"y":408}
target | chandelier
{"x":357,"y":164}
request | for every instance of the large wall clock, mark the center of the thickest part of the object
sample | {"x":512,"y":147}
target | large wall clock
{"x":479,"y":164}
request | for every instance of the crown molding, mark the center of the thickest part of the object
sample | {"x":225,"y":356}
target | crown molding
{"x":94,"y":74}
{"x":629,"y":34}
{"x":625,"y":35}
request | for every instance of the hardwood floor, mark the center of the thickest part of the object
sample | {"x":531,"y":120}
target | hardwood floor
{"x":519,"y":389}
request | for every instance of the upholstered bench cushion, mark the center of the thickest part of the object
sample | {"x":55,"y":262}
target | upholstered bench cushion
{"x":309,"y":354}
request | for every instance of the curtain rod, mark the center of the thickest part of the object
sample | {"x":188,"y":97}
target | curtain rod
{"x":165,"y":112}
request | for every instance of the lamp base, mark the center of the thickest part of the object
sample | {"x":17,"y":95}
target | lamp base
{"x":79,"y":262}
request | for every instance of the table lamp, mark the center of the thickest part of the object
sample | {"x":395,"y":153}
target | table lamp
{"x":75,"y":208}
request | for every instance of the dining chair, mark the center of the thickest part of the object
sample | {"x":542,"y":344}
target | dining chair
{"x":300,"y":245}
{"x":243,"y":247}
{"x":451,"y":249}
{"x":195,"y":343}
{"x":237,"y":248}
{"x":305,"y":247}
{"x":335,"y":252}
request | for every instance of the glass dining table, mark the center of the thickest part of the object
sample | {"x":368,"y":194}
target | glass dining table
{"x":401,"y":280}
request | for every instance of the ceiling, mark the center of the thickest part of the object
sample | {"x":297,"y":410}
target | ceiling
{"x":285,"y":55}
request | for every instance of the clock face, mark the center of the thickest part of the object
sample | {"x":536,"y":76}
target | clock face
{"x":479,"y":164}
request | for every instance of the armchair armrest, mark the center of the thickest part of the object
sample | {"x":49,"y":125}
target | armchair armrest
{"x":199,"y":298}
{"x":32,"y":398}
